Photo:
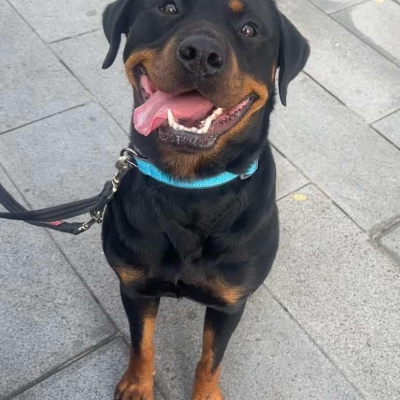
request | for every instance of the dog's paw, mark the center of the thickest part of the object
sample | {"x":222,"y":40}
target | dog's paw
{"x":208,"y":395}
{"x":127,"y":390}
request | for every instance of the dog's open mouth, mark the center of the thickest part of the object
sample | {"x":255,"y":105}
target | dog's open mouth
{"x":188,"y":113}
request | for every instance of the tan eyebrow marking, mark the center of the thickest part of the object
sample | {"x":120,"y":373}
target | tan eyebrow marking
{"x":236,"y":6}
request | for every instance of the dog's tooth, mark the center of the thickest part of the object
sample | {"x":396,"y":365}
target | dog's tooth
{"x":207,"y":124}
{"x":194,"y":130}
{"x":218,"y":111}
{"x":173,"y":123}
{"x":175,"y":126}
{"x":182,"y":128}
{"x":171,"y":118}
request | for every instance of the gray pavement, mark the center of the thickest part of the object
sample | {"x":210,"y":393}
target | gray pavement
{"x":326,"y":323}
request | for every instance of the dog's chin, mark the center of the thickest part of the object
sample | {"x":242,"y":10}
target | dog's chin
{"x":195,"y":135}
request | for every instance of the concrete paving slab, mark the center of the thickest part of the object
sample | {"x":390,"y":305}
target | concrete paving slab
{"x":65,"y":158}
{"x":392,"y":241}
{"x":340,"y":153}
{"x":46,"y":314}
{"x":86,"y":255}
{"x":84,"y":55}
{"x":33,"y":82}
{"x":390,"y":127}
{"x":355,"y":73}
{"x":10,"y":187}
{"x":330,"y":6}
{"x":55,"y":20}
{"x":91,"y":378}
{"x":289,"y":178}
{"x":377,"y":23}
{"x":178,"y":346}
{"x":270,"y":357}
{"x":342,"y":290}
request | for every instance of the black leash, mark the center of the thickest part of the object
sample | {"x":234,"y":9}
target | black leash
{"x":52,"y":217}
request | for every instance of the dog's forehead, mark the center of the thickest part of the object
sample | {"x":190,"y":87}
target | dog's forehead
{"x":231,"y":11}
{"x":262,"y":11}
{"x":235,"y":6}
{"x":242,"y":6}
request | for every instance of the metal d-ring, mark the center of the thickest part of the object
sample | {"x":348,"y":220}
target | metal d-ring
{"x":132,"y":154}
{"x":129,"y":150}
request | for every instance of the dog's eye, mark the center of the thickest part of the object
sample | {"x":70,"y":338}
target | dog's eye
{"x":249,"y":29}
{"x":169,"y":9}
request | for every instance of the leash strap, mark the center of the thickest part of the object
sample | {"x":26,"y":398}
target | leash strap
{"x":52,"y":218}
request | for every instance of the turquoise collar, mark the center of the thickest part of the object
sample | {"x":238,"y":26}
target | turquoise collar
{"x":149,"y":169}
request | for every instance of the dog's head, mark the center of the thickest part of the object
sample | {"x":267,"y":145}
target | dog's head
{"x":203,"y":73}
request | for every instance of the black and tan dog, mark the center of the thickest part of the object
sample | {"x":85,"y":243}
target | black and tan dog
{"x":203,"y":77}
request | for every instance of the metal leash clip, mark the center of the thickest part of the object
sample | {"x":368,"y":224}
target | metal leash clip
{"x":125,"y":163}
{"x":97,"y":218}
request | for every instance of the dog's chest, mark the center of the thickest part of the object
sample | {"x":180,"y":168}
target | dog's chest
{"x":205,"y":275}
{"x":209,"y":291}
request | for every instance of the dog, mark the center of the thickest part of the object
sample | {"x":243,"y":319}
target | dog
{"x":203,"y":78}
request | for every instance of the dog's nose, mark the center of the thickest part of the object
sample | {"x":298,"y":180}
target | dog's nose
{"x":202,"y":55}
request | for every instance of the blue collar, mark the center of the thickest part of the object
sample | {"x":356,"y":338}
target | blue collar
{"x":149,"y":169}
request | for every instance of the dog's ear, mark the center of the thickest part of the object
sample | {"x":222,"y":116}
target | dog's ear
{"x":116,"y":21}
{"x":293,"y":54}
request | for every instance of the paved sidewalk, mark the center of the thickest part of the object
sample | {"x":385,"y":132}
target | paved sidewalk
{"x":326,"y":324}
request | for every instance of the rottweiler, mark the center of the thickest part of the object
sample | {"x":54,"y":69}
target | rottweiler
{"x":203,"y":76}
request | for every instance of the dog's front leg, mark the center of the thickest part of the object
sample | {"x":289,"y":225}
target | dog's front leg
{"x":218,"y":329}
{"x":137,"y":382}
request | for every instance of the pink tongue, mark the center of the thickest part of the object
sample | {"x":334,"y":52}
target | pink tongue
{"x":152,"y":114}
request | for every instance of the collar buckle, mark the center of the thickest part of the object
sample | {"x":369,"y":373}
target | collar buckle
{"x":252,"y":169}
{"x":245,"y":176}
